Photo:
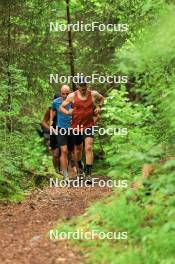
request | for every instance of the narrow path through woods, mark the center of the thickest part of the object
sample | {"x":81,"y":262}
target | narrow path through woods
{"x":23,"y":225}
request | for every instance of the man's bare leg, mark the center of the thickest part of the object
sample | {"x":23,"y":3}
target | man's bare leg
{"x":78,"y":157}
{"x":89,"y":155}
{"x":56,"y":160}
{"x":72,"y":164}
{"x":64,"y":161}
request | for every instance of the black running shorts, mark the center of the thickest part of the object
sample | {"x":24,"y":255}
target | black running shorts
{"x":65,"y":139}
{"x":78,"y":139}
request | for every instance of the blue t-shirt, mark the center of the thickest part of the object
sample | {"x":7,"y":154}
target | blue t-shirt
{"x":63,"y":121}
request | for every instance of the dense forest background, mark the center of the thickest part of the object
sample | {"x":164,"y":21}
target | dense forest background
{"x":145,"y":105}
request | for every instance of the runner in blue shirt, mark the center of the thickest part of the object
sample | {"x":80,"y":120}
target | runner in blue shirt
{"x":65,"y":142}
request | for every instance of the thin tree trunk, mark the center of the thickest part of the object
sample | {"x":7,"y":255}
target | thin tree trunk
{"x":9,"y":95}
{"x":72,"y":68}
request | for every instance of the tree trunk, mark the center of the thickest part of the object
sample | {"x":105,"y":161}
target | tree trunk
{"x":9,"y":94}
{"x":72,"y":69}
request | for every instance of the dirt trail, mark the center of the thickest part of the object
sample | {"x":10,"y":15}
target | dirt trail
{"x":23,"y":226}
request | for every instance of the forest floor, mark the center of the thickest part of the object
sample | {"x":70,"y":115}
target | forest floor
{"x":24,"y":225}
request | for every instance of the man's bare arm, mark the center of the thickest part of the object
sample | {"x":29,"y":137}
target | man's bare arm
{"x":44,"y":124}
{"x":98,"y":101}
{"x":99,"y":98}
{"x":45,"y":121}
{"x":52,"y":115}
{"x":68,"y":100}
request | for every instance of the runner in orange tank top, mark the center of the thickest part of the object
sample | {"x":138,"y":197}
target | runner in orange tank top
{"x":83,"y":111}
{"x":85,"y":104}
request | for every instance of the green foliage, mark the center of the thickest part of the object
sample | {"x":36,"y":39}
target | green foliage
{"x":147,"y":214}
{"x":21,"y":150}
{"x":145,"y":106}
{"x":139,"y":145}
{"x":22,"y":159}
{"x":150,"y":233}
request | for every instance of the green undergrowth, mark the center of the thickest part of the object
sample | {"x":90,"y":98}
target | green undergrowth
{"x":147,"y":215}
{"x":25,"y":165}
{"x":146,"y":109}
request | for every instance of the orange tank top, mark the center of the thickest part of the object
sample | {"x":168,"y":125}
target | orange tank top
{"x":83,"y":111}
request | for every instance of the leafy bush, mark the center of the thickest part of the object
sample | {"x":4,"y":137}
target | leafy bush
{"x":147,"y":214}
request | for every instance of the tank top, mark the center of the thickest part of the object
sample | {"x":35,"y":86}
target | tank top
{"x":83,"y":111}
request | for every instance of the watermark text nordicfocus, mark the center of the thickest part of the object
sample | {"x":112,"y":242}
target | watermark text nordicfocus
{"x":79,"y":130}
{"x":89,"y":235}
{"x":81,"y":182}
{"x":93,"y":26}
{"x":94,"y":78}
